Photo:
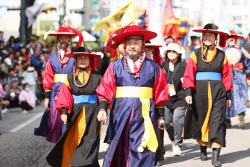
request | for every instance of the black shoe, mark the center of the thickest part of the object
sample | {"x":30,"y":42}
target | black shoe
{"x":158,"y":163}
{"x":215,"y":157}
{"x":203,"y":153}
{"x":228,"y":123}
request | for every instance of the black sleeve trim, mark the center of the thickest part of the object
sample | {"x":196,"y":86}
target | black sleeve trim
{"x":47,"y":95}
{"x":103,"y":105}
{"x":228,"y":95}
{"x":189,"y":92}
{"x":160,"y":112}
{"x":64,"y":111}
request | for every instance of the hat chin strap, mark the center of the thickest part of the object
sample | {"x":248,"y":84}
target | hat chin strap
{"x":80,"y":68}
{"x":207,"y":47}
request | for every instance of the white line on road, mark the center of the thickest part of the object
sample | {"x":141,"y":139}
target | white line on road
{"x":26,"y":123}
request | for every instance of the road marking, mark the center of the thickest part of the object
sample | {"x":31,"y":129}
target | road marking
{"x":26,"y":123}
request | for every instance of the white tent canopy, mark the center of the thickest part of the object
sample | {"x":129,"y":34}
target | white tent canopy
{"x":86,"y":36}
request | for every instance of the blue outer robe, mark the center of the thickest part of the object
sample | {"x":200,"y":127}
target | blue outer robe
{"x":51,"y":124}
{"x":239,"y":92}
{"x":126,"y":120}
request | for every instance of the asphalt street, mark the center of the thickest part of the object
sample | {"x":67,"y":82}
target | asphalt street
{"x":20,"y":148}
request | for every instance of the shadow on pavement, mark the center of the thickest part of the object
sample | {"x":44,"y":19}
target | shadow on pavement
{"x":189,"y":151}
{"x":235,"y":156}
{"x":237,"y":126}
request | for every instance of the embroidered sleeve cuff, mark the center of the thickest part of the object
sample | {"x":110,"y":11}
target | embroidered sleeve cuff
{"x":228,"y":96}
{"x":160,"y":112}
{"x":64,"y":111}
{"x":103,"y":105}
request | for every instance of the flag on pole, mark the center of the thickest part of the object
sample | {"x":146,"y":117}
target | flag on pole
{"x":168,"y":13}
{"x":122,"y":17}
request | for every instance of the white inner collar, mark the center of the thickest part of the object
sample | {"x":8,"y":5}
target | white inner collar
{"x":131,"y":63}
{"x":62,"y":52}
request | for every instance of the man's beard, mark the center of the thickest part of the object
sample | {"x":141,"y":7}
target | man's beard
{"x":63,"y":46}
{"x":134,"y":57}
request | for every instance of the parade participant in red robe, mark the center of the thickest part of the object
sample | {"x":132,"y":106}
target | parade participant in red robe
{"x":57,"y":68}
{"x":139,"y":85}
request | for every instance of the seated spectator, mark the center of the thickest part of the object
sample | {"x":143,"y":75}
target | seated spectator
{"x":10,"y":42}
{"x":25,"y":54}
{"x":35,"y":61}
{"x":44,"y":56}
{"x":1,"y":37}
{"x":26,"y":99}
{"x":2,"y":45}
{"x":32,"y":37}
{"x":12,"y":93}
{"x":2,"y":74}
{"x":38,"y":44}
{"x":5,"y":87}
{"x":4,"y":67}
{"x":9,"y":60}
{"x":15,"y":60}
{"x":1,"y":91}
{"x":30,"y":76}
{"x":24,"y":65}
{"x":16,"y":43}
{"x":31,"y":46}
{"x":3,"y":103}
{"x":10,"y":75}
{"x":17,"y":70}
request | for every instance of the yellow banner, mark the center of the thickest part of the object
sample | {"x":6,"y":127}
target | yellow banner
{"x":125,"y":15}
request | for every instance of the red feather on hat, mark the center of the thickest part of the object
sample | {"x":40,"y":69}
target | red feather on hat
{"x":157,"y":56}
{"x":222,"y":40}
{"x":81,"y":40}
{"x":119,"y":31}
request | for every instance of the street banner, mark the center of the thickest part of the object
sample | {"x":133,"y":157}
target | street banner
{"x":122,"y":17}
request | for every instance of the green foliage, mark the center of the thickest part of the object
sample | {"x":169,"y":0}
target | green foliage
{"x":94,"y":45}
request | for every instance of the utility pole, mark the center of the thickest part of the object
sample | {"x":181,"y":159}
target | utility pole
{"x":85,"y":17}
{"x":22,"y":27}
{"x":62,"y":11}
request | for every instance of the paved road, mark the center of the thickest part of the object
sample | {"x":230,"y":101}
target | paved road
{"x":19,"y":147}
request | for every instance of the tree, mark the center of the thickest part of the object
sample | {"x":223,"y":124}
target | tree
{"x":28,"y":30}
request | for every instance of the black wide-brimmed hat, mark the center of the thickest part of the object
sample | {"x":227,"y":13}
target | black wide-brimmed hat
{"x":212,"y":28}
{"x":83,"y":51}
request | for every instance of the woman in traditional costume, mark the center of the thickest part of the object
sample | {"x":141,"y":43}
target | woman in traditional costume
{"x":239,"y":62}
{"x":208,"y":84}
{"x":78,"y":106}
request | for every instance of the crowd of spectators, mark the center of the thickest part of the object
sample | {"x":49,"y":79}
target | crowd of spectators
{"x":21,"y":72}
